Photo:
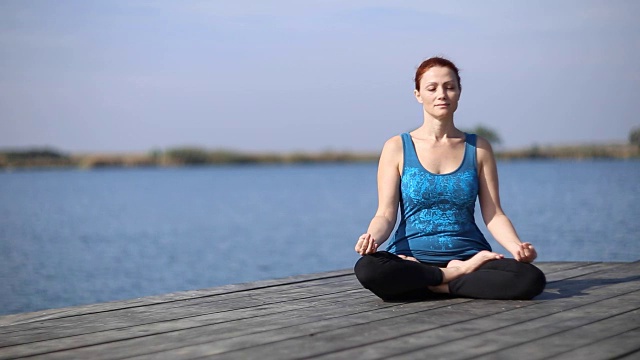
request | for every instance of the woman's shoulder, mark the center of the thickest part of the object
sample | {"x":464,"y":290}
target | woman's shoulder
{"x":482,"y":143}
{"x":393,"y":144}
{"x":484,"y":150}
{"x":392,"y":151}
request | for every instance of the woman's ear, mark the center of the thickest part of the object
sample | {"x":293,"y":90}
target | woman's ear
{"x":416,"y":93}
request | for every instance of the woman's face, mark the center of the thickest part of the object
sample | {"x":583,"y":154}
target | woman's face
{"x":439,"y":92}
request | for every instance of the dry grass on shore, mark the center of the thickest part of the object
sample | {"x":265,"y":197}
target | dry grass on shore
{"x":45,"y":158}
{"x":606,"y":151}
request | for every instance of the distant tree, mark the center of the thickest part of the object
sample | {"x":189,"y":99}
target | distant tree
{"x":188,"y":155}
{"x":486,"y":132}
{"x":27,"y":154}
{"x":634,"y":136}
{"x":34,"y":157}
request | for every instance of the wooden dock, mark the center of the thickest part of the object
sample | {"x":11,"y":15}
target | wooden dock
{"x":588,"y":311}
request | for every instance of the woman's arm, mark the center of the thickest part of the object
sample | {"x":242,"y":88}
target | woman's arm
{"x":497,"y":222}
{"x":384,"y":220}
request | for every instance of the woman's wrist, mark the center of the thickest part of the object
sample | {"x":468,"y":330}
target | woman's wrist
{"x":513,"y":247}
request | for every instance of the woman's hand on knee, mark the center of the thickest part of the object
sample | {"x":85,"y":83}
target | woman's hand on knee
{"x":366,"y":245}
{"x":526,"y":253}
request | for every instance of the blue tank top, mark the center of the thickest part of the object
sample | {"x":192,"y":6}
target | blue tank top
{"x":437,"y":222}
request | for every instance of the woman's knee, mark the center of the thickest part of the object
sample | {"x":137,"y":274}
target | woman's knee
{"x":365,"y":270}
{"x":376,"y":273}
{"x":532,"y":282}
{"x":527,"y":281}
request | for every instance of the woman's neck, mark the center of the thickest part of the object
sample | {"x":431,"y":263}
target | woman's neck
{"x":437,"y":129}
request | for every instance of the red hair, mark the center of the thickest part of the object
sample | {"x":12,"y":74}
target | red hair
{"x":436,"y":61}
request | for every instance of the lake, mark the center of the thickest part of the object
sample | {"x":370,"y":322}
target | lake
{"x":71,"y":237}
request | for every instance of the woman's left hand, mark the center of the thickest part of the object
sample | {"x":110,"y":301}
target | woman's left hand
{"x":526,"y":253}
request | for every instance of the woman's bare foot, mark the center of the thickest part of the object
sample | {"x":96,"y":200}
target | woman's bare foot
{"x":458,"y":268}
{"x":472,"y":264}
{"x":455,"y":263}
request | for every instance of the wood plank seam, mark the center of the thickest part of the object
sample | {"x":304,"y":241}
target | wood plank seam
{"x":549,"y":335}
{"x":544,"y":316}
{"x":251,"y":288}
{"x":572,"y":273}
{"x":205,"y":313}
{"x":8,"y":329}
{"x":387,"y":305}
{"x":574,"y":306}
{"x":596,"y":343}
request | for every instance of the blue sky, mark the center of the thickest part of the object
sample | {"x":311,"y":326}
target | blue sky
{"x":255,"y":75}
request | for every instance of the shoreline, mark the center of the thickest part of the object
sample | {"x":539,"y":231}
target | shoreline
{"x":47,"y":158}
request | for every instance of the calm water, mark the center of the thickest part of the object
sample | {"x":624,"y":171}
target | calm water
{"x":76,"y":237}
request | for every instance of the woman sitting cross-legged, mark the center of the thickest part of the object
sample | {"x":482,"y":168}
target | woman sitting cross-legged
{"x":434,"y":174}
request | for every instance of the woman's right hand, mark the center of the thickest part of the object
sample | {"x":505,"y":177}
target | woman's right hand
{"x":366,"y":244}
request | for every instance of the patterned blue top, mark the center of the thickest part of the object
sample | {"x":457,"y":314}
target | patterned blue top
{"x":437,"y":221}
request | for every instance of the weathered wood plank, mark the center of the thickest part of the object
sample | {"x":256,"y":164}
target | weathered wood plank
{"x":525,"y":328}
{"x":336,"y":340}
{"x":558,"y":343}
{"x":292,"y":325}
{"x":68,"y":326}
{"x":331,"y":316}
{"x":444,"y":342}
{"x":400,"y":341}
{"x":44,"y":315}
{"x":340,"y":335}
{"x":249,"y":346}
{"x":58,"y":328}
{"x":553,"y":267}
{"x":143,"y":312}
{"x":613,"y":347}
{"x":630,"y":356}
{"x":193,"y":296}
{"x":589,"y":268}
{"x":150,"y":300}
{"x":227,"y":324}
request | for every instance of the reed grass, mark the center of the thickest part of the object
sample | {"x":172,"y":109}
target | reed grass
{"x":195,"y":156}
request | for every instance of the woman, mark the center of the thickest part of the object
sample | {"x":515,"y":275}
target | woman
{"x":435,"y":173}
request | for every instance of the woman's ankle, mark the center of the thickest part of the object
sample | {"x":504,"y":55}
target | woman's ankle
{"x":440,"y":289}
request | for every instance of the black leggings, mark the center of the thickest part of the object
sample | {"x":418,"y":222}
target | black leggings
{"x":394,"y":279}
